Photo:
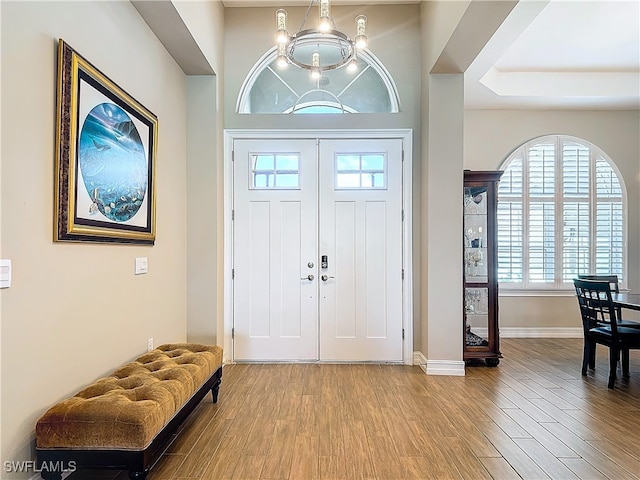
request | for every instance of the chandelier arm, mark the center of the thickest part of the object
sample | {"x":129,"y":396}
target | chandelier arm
{"x":306,"y":16}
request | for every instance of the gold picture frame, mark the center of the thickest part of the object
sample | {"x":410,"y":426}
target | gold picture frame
{"x":105,"y":158}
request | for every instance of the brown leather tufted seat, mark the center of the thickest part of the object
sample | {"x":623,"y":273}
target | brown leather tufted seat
{"x":127,"y":409}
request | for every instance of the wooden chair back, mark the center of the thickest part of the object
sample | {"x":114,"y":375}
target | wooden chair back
{"x":612,"y":279}
{"x":613,"y":283}
{"x":596,"y":305}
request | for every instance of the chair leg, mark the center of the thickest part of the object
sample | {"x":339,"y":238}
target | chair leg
{"x":592,"y":355}
{"x":625,"y":363}
{"x":586,"y":357}
{"x":614,"y":354}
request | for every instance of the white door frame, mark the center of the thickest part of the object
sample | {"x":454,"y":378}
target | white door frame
{"x":406,"y":135}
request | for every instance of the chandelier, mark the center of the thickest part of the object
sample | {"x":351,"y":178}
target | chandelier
{"x":319,"y":49}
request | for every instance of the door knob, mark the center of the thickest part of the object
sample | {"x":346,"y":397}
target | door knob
{"x":326,"y":277}
{"x":308,"y":277}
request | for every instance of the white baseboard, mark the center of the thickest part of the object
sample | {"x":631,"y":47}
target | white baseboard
{"x":533,"y":332}
{"x":445,"y":367}
{"x":420,"y":360}
{"x":541,"y":332}
{"x":438,"y":367}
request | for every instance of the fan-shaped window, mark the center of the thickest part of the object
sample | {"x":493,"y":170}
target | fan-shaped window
{"x":272,"y":89}
{"x":561,"y":213}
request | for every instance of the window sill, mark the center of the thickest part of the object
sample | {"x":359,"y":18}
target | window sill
{"x":535,"y":293}
{"x":503,"y":292}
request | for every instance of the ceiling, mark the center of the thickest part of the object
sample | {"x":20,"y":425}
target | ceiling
{"x":549,"y":54}
{"x":560,"y":54}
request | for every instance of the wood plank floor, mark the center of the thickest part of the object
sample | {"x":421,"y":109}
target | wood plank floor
{"x":532,"y":417}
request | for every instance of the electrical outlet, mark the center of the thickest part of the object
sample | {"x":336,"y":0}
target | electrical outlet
{"x":150,"y":344}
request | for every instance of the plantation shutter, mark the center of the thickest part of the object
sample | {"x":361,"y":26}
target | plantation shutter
{"x":510,"y":224}
{"x":542,"y":224}
{"x":576,"y":241}
{"x":609,"y":241}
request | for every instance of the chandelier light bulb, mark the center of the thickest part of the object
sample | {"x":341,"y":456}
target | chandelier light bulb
{"x":352,"y":66}
{"x":281,"y":26}
{"x":361,"y":31}
{"x":315,"y":63}
{"x":315,"y":60}
{"x":281,"y":60}
{"x":325,"y":16}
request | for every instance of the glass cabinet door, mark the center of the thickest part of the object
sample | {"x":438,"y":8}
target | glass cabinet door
{"x":481,"y":334}
{"x":475,"y":234}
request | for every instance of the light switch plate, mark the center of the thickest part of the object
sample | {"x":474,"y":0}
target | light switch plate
{"x":142,"y":265}
{"x":5,"y":273}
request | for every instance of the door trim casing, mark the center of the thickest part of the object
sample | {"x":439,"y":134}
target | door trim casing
{"x":406,"y":135}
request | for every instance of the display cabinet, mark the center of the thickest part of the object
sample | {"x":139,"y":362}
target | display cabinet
{"x":481,"y":330}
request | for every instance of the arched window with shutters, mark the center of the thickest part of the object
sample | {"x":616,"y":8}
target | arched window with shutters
{"x":561,"y":213}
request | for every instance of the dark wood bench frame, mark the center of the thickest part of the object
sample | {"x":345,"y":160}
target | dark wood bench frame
{"x":51,"y":463}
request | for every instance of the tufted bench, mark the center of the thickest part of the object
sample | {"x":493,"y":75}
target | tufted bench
{"x":125,"y":420}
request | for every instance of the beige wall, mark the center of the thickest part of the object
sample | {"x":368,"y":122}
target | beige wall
{"x":491,"y":135}
{"x":444,"y":206}
{"x":76,"y":311}
{"x":203,"y":221}
{"x":205,"y":189}
{"x":438,"y":21}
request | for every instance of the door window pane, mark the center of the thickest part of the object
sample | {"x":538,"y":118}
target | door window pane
{"x":367,"y":170}
{"x":275,"y":171}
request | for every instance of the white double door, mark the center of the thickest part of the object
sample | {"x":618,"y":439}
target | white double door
{"x":317,"y":250}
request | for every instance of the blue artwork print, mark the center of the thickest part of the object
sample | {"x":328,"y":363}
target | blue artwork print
{"x":113,"y":163}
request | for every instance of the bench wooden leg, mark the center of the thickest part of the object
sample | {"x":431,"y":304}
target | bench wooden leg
{"x":215,"y":389}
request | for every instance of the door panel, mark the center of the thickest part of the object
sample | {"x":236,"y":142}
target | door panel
{"x":275,"y":237}
{"x":361,"y":233}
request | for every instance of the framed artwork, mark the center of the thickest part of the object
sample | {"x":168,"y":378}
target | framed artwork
{"x":105,"y":158}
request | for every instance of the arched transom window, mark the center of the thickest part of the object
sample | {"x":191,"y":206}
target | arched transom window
{"x":561,"y":213}
{"x":272,"y":89}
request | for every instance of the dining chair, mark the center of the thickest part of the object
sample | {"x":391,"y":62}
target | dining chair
{"x":600,"y":325}
{"x":615,"y":288}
